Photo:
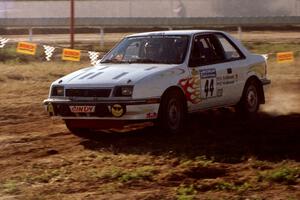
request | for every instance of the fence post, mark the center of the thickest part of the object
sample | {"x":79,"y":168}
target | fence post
{"x":30,"y":31}
{"x":101,"y":38}
{"x":72,"y":23}
{"x":240,"y":32}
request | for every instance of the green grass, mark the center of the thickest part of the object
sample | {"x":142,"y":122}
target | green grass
{"x":226,"y":186}
{"x":143,"y":173}
{"x":186,"y":192}
{"x":10,"y":187}
{"x":46,"y":176}
{"x":197,"y":161}
{"x":282,"y":175}
{"x":265,"y":47}
{"x":223,"y":185}
{"x":261,"y":165}
{"x":106,"y":173}
{"x":124,"y":175}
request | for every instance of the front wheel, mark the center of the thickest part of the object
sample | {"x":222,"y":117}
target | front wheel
{"x":172,"y":112}
{"x":249,"y":103}
{"x":80,"y":132}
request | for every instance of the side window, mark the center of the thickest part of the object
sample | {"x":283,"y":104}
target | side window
{"x":206,"y":50}
{"x":231,"y":53}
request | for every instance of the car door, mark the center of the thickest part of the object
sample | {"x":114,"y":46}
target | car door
{"x":235,"y":63}
{"x":217,"y":75}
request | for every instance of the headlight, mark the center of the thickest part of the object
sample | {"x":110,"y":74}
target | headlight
{"x":123,"y":91}
{"x":57,"y":91}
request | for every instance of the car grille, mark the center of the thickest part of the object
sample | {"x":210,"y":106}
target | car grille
{"x":88,"y":92}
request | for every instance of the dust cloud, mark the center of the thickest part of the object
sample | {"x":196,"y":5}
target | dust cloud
{"x":283,"y":95}
{"x":282,"y":102}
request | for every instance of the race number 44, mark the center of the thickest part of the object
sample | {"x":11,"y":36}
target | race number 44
{"x":209,"y":89}
{"x":208,"y":83}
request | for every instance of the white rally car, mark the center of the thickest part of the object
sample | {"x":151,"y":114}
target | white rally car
{"x":160,"y":76}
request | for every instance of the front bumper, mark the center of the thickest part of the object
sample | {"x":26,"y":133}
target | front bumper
{"x":141,"y":109}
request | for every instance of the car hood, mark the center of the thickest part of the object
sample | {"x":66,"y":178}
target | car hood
{"x":109,"y":75}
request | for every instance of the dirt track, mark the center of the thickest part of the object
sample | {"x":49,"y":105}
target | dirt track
{"x":220,"y":156}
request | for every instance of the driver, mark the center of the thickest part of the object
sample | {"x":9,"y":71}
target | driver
{"x":152,"y":50}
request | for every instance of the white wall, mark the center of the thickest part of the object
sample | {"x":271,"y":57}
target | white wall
{"x":150,"y":8}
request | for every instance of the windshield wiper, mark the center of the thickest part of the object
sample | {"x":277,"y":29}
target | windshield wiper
{"x":114,"y":61}
{"x":144,"y":60}
{"x":108,"y":61}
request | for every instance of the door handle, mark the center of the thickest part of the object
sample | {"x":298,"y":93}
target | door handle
{"x":229,"y":71}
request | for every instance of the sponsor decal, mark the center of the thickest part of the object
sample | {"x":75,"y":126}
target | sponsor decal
{"x":151,"y":115}
{"x":26,"y":48}
{"x":208,"y":73}
{"x":82,"y":109}
{"x":227,"y":79}
{"x":117,"y":110}
{"x":71,"y":55}
{"x":220,"y":92}
{"x":50,"y":109}
{"x":219,"y":81}
{"x":285,"y":57}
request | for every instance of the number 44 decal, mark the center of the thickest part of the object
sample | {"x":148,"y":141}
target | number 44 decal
{"x":209,"y":88}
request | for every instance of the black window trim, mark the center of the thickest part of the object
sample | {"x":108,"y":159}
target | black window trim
{"x":242,"y":56}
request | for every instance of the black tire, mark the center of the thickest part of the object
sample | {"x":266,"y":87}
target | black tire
{"x":250,"y":101}
{"x":172,"y":112}
{"x":80,"y":132}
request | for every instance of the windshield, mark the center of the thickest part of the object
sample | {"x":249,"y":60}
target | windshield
{"x":149,"y":49}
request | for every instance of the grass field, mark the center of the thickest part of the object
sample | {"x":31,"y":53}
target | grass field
{"x":218,"y":157}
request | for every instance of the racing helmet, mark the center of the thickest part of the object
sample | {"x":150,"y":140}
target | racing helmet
{"x":152,"y":49}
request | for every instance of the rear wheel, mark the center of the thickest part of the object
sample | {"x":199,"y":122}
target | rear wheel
{"x":172,"y":112}
{"x":249,"y":103}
